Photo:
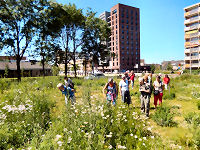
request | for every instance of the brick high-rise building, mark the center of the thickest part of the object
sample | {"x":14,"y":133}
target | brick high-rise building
{"x":192,"y":36}
{"x":125,"y":37}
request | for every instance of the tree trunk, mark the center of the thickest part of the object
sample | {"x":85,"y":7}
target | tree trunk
{"x":18,"y":68}
{"x":43,"y":69}
{"x":66,"y":54}
{"x":85,"y":65}
{"x":74,"y":54}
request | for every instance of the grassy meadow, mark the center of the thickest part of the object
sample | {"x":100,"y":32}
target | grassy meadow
{"x":33,"y":115}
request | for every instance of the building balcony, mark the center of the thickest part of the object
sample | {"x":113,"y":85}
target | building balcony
{"x":192,"y":43}
{"x":192,"y":20}
{"x":192,"y":12}
{"x":192,"y":27}
{"x":192,"y":34}
{"x":187,"y":51}
{"x":195,"y":65}
{"x":194,"y":57}
{"x":187,"y":58}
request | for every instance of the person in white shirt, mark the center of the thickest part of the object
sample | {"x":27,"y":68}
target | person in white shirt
{"x":158,"y":91}
{"x":124,"y":90}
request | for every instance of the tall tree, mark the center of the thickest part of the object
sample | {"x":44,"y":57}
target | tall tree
{"x":95,"y":31}
{"x":18,"y":23}
{"x":77,"y":25}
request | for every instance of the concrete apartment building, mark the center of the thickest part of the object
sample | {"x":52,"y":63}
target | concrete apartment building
{"x":124,"y":42}
{"x":192,"y":36}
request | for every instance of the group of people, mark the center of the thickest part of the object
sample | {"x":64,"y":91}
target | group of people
{"x":146,"y":88}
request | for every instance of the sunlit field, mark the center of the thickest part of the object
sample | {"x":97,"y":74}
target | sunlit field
{"x":33,"y":115}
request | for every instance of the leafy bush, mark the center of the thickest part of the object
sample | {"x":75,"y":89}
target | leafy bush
{"x":164,"y":117}
{"x":169,"y":95}
{"x":197,"y":138}
{"x":193,"y":118}
{"x":198,"y":105}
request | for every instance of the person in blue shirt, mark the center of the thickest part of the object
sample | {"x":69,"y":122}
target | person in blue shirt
{"x":68,"y":92}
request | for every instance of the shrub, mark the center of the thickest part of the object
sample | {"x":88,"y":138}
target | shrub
{"x":193,"y":118}
{"x":198,"y":105}
{"x":189,"y":117}
{"x":164,"y":117}
{"x":169,"y":95}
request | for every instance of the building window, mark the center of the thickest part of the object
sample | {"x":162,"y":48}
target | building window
{"x":114,"y":11}
{"x":122,"y":37}
{"x":122,"y":53}
{"x":122,"y":42}
{"x":127,"y":47}
{"x":116,"y":15}
{"x":126,"y":21}
{"x":131,"y":22}
{"x":113,"y":64}
{"x":127,"y":27}
{"x":116,"y":20}
{"x":127,"y":42}
{"x":122,"y":15}
{"x":122,"y":26}
{"x":127,"y":31}
{"x":116,"y":26}
{"x":112,"y":18}
{"x":127,"y":16}
{"x":127,"y":52}
{"x":122,"y":20}
{"x":117,"y":63}
{"x":127,"y":37}
{"x":116,"y":31}
{"x":131,"y":53}
{"x":123,"y":47}
{"x":131,"y":27}
{"x":131,"y":12}
{"x":122,"y":31}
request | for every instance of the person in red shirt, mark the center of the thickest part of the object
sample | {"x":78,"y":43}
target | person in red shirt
{"x":132,"y":76}
{"x":166,"y":81}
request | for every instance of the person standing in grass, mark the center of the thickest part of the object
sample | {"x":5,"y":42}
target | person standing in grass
{"x":158,"y":91}
{"x":124,"y":90}
{"x":166,"y":81}
{"x":132,"y":76}
{"x":68,"y":82}
{"x":145,"y":89}
{"x":112,"y":91}
{"x":69,"y":93}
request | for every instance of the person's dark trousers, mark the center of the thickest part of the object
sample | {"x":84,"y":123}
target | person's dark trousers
{"x":126,"y":97}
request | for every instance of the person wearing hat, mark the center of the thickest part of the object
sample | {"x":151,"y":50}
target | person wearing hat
{"x":112,"y":91}
{"x":124,"y":90}
{"x":145,"y":89}
{"x":69,"y":93}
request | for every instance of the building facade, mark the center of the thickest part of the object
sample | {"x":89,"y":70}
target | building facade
{"x":124,"y":42}
{"x":192,"y":36}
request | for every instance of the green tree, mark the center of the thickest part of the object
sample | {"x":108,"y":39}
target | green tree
{"x":18,"y":25}
{"x":153,"y":68}
{"x":55,"y":70}
{"x":95,"y":31}
{"x":6,"y":73}
{"x":169,"y":66}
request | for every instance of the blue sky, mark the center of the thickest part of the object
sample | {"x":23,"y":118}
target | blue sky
{"x":161,"y":25}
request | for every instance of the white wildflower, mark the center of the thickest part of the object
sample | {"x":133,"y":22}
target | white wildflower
{"x":143,"y":144}
{"x":140,"y":139}
{"x":69,"y":140}
{"x":57,"y":137}
{"x":60,"y":143}
{"x":121,"y":147}
{"x":110,"y":147}
{"x":179,"y":147}
{"x":144,"y":138}
{"x":135,"y":136}
{"x":149,"y":128}
{"x":152,"y":137}
{"x":85,"y":122}
{"x":109,"y":136}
